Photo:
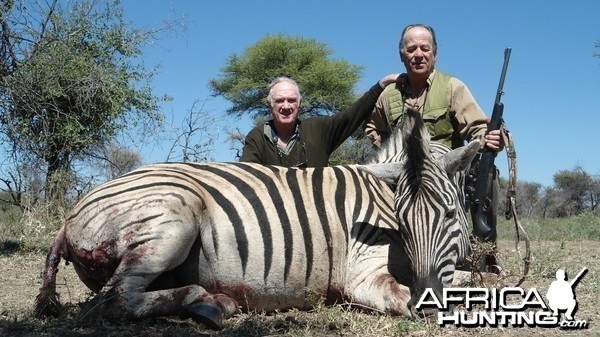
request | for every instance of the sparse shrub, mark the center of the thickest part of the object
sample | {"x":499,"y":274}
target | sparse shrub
{"x":32,"y":229}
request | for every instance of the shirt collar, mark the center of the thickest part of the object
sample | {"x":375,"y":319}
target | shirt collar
{"x":405,"y":85}
{"x":271,"y":134}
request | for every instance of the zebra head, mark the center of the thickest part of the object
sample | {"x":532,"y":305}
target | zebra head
{"x":429,"y":204}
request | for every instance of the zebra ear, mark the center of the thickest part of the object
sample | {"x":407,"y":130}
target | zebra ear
{"x":388,"y":172}
{"x":460,"y":158}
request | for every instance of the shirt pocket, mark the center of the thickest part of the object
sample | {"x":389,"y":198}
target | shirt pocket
{"x":438,"y":123}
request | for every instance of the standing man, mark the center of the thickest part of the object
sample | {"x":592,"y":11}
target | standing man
{"x":287,"y":141}
{"x":450,"y":112}
{"x":448,"y":108}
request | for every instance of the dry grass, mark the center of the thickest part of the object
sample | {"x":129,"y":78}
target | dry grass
{"x":570,"y":244}
{"x":20,"y":279}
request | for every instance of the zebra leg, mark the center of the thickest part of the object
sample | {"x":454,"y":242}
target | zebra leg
{"x":125,"y":296}
{"x":191,"y":301}
{"x":211,"y":310}
{"x":382,"y":292}
{"x":154,"y":252}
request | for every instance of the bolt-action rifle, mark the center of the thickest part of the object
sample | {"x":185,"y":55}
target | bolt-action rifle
{"x":483,"y":211}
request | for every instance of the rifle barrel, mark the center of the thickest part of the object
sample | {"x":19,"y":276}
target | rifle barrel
{"x":578,"y":276}
{"x":503,"y":74}
{"x":481,"y":228}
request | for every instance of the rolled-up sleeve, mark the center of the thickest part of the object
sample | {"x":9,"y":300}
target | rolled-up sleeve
{"x":471,"y":120}
{"x":377,"y":125}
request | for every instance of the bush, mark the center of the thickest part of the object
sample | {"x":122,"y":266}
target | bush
{"x":31,"y":230}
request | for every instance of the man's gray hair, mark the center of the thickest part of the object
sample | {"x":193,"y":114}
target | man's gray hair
{"x":279,"y":80}
{"x":407,"y":28}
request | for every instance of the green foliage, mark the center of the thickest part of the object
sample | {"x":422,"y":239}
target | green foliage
{"x":76,"y":82}
{"x":352,"y":151}
{"x":32,"y":230}
{"x":574,"y":192}
{"x":575,"y":180}
{"x":580,"y":190}
{"x":326,"y":85}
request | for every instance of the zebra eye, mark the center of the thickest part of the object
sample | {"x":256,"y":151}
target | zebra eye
{"x":450,"y":214}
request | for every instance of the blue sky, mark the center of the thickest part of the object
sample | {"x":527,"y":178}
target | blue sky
{"x":552,"y":89}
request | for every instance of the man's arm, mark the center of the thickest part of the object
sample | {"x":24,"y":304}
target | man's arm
{"x":377,"y":125}
{"x":251,"y":151}
{"x":347,"y":122}
{"x":472,"y":121}
{"x":337,"y":128}
{"x":470,"y":118}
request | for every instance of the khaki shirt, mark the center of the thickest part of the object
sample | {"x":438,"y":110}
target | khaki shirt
{"x":469,"y":118}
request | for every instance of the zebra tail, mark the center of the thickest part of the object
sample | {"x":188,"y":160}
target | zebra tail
{"x":47,"y":302}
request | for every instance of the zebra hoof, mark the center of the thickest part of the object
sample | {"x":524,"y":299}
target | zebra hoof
{"x":208,"y":314}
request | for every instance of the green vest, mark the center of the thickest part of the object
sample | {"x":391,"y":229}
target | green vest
{"x":436,"y":113}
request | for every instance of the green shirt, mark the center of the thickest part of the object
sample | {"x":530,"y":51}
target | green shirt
{"x":315,"y":139}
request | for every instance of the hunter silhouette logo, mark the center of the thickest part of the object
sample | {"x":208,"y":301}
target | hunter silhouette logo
{"x":509,"y":306}
{"x":561,"y":294}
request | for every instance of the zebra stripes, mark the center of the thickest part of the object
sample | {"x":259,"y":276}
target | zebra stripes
{"x":202,"y":239}
{"x":430,"y":202}
{"x":257,"y":220}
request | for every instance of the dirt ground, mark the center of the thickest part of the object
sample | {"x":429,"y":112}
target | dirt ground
{"x":20,"y":280}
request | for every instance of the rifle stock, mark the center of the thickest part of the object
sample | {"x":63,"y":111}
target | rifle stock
{"x":484,"y":221}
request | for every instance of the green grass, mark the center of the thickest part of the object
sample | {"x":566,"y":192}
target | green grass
{"x":585,"y":226}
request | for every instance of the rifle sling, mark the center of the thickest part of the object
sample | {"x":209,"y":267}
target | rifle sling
{"x":511,"y":194}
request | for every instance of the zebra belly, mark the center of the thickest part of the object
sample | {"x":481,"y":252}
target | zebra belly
{"x":284,"y":277}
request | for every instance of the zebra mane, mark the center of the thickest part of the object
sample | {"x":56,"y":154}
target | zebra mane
{"x":411,"y":131}
{"x":416,"y":144}
{"x":410,"y":145}
{"x":390,"y":150}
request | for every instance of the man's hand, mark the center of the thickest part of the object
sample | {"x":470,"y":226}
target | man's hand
{"x":389,"y":79}
{"x":494,"y":141}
